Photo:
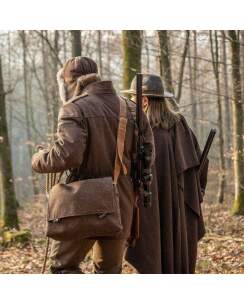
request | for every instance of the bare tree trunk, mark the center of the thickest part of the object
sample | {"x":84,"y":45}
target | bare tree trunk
{"x":201,"y":112}
{"x":108,"y":56}
{"x":182,"y":67}
{"x":165,"y":64}
{"x":30,"y":143}
{"x":195,"y":80}
{"x":214,"y":45}
{"x":227,"y":104}
{"x":76,"y":43}
{"x":46,"y":84}
{"x":238,"y":204}
{"x":26,"y":97}
{"x":54,"y":89}
{"x":64,"y":45}
{"x":8,"y":202}
{"x":9,"y":85}
{"x":147,"y":53}
{"x":132,"y":45}
{"x":99,"y":50}
{"x":192,"y":91}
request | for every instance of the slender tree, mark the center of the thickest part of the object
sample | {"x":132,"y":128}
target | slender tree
{"x":64,"y":45}
{"x":227,"y":101}
{"x":214,"y":46}
{"x":46,"y":82}
{"x":76,"y":43}
{"x":10,"y":108}
{"x":238,"y":204}
{"x":182,"y":66}
{"x":108,"y":56}
{"x":27,"y":105}
{"x":8,"y":202}
{"x":147,"y":49}
{"x":132,"y":45}
{"x":192,"y":80}
{"x":195,"y":75}
{"x":54,"y":89}
{"x":26,"y":95}
{"x":99,"y":51}
{"x":165,"y":64}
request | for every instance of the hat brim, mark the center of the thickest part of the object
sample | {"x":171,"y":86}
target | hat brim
{"x":165,"y":95}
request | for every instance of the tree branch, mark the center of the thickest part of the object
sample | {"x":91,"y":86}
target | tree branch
{"x":50,"y":47}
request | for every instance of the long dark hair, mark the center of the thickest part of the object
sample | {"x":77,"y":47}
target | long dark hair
{"x":161,"y":113}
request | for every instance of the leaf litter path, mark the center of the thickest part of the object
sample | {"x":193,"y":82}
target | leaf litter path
{"x":220,"y":251}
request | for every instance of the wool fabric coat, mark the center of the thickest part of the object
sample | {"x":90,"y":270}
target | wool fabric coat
{"x":171,"y":229}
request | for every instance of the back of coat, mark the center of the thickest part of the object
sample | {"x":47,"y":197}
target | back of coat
{"x":86,"y":143}
{"x":100,"y":112}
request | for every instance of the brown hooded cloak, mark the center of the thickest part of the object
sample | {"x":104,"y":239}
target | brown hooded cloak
{"x":172,"y":227}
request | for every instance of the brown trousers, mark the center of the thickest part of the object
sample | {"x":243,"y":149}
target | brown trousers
{"x":107,"y":255}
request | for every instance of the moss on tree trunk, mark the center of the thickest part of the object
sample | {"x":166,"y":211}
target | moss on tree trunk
{"x":165,"y":64}
{"x":238,"y":204}
{"x":132,"y":45}
{"x":76,"y":43}
{"x":8,"y":200}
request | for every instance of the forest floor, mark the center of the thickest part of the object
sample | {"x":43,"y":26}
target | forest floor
{"x":220,"y":251}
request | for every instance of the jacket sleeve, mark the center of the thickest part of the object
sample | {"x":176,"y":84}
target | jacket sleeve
{"x":68,"y":150}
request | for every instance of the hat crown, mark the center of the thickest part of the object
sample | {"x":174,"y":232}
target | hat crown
{"x":78,"y":66}
{"x":151,"y":85}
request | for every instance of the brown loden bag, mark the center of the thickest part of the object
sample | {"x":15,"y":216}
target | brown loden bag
{"x":89,"y":208}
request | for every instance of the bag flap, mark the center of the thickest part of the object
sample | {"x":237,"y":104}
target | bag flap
{"x":91,"y":196}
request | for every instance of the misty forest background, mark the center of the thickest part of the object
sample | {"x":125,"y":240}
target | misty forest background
{"x":204,"y":70}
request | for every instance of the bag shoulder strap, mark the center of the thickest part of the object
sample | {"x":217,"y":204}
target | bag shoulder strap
{"x":121,"y":133}
{"x":120,"y":141}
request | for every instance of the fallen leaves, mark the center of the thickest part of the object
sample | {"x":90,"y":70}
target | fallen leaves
{"x":220,"y":251}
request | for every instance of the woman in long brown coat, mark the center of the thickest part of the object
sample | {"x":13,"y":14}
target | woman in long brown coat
{"x":170,"y":231}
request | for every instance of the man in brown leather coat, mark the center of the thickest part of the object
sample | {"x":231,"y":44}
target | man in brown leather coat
{"x":85,"y":145}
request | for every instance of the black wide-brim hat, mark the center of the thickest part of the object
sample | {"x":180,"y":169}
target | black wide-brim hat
{"x":152,"y":85}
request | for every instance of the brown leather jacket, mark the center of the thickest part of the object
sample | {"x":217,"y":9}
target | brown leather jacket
{"x":86,"y":139}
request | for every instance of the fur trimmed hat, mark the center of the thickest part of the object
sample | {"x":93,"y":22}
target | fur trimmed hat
{"x":75,"y":75}
{"x":78,"y":66}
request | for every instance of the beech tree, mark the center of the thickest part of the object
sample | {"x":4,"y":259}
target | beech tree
{"x":182,"y":66}
{"x":27,"y":105}
{"x":238,"y":204}
{"x":214,"y":47}
{"x":193,"y":82}
{"x":227,"y":102}
{"x":8,"y":202}
{"x":132,"y":45}
{"x":165,"y":64}
{"x":76,"y":43}
{"x":187,"y":66}
{"x":99,"y":51}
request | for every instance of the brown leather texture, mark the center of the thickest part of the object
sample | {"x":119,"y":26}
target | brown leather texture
{"x":87,"y":132}
{"x":85,"y":215}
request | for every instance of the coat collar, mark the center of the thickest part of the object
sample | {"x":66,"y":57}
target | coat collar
{"x":100,"y":87}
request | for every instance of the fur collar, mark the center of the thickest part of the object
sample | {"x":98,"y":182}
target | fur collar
{"x":75,"y":88}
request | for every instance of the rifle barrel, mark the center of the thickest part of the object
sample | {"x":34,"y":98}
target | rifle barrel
{"x":206,"y":149}
{"x":139,"y":100}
